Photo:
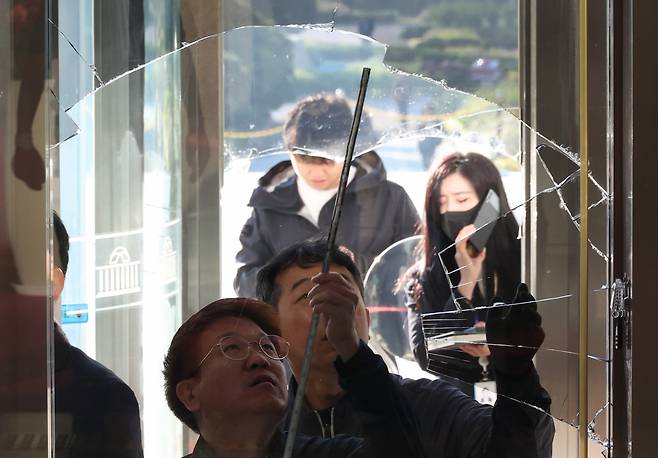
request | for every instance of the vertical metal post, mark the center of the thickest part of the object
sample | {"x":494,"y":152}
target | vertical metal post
{"x":331,"y":243}
{"x":584,"y":232}
{"x":640,"y":111}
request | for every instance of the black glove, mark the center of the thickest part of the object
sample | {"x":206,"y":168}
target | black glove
{"x":517,"y":331}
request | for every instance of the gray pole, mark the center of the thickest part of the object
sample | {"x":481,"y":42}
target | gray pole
{"x":331,"y":243}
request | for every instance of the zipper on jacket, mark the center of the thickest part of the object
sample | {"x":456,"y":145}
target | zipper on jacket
{"x":324,"y":426}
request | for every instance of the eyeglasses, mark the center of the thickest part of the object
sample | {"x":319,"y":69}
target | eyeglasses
{"x":237,"y":348}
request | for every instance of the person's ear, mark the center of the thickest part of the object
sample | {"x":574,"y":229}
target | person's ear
{"x":186,"y":393}
{"x":294,"y":162}
{"x":368,"y":317}
{"x":58,"y":282}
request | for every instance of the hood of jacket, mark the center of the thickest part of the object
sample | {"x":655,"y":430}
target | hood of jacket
{"x":277,"y":189}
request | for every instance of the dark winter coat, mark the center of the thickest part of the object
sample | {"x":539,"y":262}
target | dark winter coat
{"x":445,"y":421}
{"x":345,"y":446}
{"x":376,"y":213}
{"x":96,"y":413}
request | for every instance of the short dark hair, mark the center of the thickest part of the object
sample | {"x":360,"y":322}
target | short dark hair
{"x":60,"y":243}
{"x":302,"y":254}
{"x":320,"y":121}
{"x":181,"y":360}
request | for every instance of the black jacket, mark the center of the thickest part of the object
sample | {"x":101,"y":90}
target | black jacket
{"x":345,"y":446}
{"x":445,"y":421}
{"x":376,"y":213}
{"x":385,"y":424}
{"x":96,"y":413}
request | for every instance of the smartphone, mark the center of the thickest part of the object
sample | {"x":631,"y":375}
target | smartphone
{"x":488,"y":213}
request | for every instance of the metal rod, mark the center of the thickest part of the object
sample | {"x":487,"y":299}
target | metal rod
{"x":583,"y":331}
{"x":331,"y":242}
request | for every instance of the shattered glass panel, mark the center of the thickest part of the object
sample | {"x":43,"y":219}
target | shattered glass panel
{"x":455,"y":275}
{"x":193,"y":21}
{"x":84,"y":76}
{"x":177,"y":128}
{"x":306,"y":62}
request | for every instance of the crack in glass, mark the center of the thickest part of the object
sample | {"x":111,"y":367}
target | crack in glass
{"x":437,"y":323}
{"x":591,"y":427}
{"x":197,"y":24}
{"x":67,"y":127}
{"x":557,"y":189}
{"x":433,"y":110}
{"x":77,"y":51}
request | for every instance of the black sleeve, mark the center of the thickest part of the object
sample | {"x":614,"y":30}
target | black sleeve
{"x":453,"y":424}
{"x":254,"y":253}
{"x":414,"y":323}
{"x":522,"y":426}
{"x":121,"y":423}
{"x":342,"y":445}
{"x":389,"y":430}
{"x":417,"y":337}
{"x":449,"y":423}
{"x":433,"y":418}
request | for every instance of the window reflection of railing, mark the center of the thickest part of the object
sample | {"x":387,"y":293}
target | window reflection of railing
{"x":120,"y":276}
{"x":167,"y":261}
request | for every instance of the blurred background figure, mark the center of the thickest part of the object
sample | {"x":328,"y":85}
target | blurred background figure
{"x":295,"y":198}
{"x":454,"y":196}
{"x":96,"y":413}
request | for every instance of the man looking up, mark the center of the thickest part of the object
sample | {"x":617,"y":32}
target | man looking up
{"x":447,"y":422}
{"x":295,"y":199}
{"x":225,"y":379}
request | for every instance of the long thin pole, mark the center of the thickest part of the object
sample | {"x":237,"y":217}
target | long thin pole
{"x":331,"y":243}
{"x":583,"y":331}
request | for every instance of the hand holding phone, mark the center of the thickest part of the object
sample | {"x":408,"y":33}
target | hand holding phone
{"x":470,"y":266}
{"x":484,"y":223}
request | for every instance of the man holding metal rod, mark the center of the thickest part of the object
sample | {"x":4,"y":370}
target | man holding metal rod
{"x":444,"y":420}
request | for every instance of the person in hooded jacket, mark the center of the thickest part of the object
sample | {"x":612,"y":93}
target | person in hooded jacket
{"x":294,"y":200}
{"x":450,"y":271}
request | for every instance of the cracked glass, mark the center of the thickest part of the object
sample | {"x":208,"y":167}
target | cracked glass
{"x":193,"y":142}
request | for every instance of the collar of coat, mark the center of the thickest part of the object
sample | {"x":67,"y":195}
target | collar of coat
{"x":277,"y":189}
{"x":344,"y":418}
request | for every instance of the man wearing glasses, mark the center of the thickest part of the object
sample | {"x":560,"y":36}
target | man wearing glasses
{"x":225,"y":379}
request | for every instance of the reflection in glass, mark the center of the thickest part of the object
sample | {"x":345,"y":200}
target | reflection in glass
{"x":25,"y":318}
{"x":165,"y":120}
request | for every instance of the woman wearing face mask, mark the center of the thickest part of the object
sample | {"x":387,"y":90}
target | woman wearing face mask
{"x":453,"y":198}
